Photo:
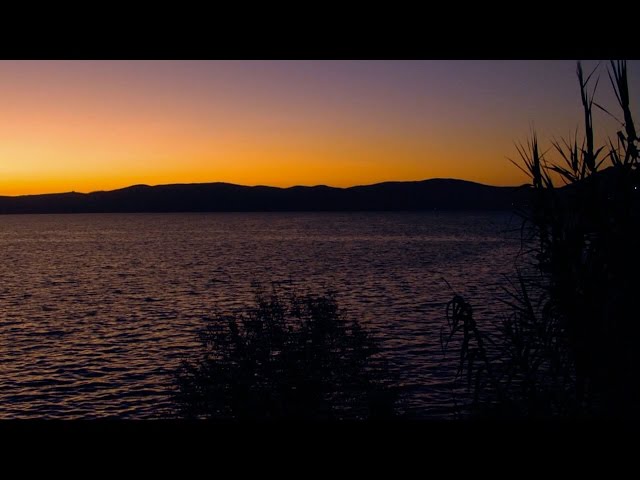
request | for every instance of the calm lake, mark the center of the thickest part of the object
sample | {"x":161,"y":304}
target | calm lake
{"x":96,"y":311}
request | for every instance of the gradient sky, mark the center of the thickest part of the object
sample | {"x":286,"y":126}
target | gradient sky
{"x":100,"y":125}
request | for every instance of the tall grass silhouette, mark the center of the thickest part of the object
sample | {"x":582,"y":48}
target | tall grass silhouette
{"x":570,"y":345}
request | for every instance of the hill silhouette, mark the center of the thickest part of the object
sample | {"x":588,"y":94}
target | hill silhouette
{"x":434,"y":194}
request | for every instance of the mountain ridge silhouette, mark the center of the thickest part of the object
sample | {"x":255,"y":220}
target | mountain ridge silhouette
{"x":430,"y":194}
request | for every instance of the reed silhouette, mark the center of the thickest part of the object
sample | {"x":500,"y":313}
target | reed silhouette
{"x":570,"y":344}
{"x":285,"y":358}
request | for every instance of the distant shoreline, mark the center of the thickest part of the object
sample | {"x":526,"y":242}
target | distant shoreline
{"x":319,"y":212}
{"x":319,"y":186}
{"x":427,"y":195}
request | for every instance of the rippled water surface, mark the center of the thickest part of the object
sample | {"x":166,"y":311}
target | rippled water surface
{"x":96,"y":311}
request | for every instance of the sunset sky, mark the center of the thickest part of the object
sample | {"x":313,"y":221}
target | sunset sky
{"x":100,"y":125}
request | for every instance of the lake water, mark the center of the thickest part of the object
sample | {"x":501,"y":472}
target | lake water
{"x":96,"y":311}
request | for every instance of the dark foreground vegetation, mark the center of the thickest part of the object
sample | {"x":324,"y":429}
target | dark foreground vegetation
{"x":294,"y":357}
{"x":571,"y":344}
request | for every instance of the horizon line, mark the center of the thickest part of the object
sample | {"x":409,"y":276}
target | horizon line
{"x":257,"y":186}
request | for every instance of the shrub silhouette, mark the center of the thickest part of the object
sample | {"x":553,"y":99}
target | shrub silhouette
{"x":285,"y":359}
{"x":570,"y":345}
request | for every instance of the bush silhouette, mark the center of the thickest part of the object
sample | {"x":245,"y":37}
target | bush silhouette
{"x":297,"y":358}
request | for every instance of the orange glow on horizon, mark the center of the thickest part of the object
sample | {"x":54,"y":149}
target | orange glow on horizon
{"x":277,"y":166}
{"x":87,"y":126}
